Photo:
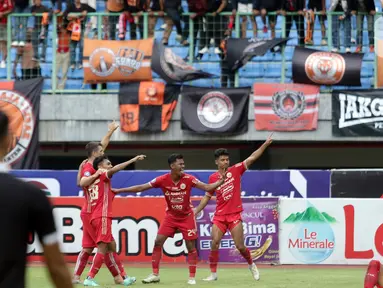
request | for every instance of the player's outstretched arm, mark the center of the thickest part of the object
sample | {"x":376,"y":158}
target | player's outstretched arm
{"x":134,"y":189}
{"x":106,"y":139}
{"x":79,"y":171}
{"x":123,"y":165}
{"x":257,"y":153}
{"x":87,"y":181}
{"x":210,"y":187}
{"x":205,"y":200}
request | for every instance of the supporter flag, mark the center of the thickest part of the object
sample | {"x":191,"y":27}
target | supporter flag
{"x":147,"y":106}
{"x":286,"y":107}
{"x":326,"y":68}
{"x":20,"y":100}
{"x":172,"y":68}
{"x":215,"y":111}
{"x":240,"y":51}
{"x":117,"y":61}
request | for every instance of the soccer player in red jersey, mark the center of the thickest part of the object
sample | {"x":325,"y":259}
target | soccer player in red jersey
{"x":102,"y":196}
{"x":227,"y":215}
{"x":176,"y":187}
{"x":86,"y":176}
{"x":374,"y":275}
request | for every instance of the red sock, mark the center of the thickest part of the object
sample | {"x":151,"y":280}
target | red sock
{"x":192,"y":260}
{"x":371,"y":278}
{"x":81,"y":262}
{"x":119,"y":265}
{"x":246,"y":254}
{"x":97,"y":263}
{"x":156,"y":257}
{"x":213,"y":259}
{"x":111,"y":264}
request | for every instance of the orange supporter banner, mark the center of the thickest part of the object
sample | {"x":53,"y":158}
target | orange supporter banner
{"x":117,"y":61}
{"x":135,"y":225}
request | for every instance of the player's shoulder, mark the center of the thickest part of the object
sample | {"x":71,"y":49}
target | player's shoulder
{"x":236,"y":166}
{"x":188,"y":176}
{"x":161,"y":178}
{"x":88,"y":169}
{"x":214,"y":175}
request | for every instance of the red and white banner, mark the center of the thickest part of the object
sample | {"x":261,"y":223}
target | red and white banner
{"x":330,"y":231}
{"x":286,"y":107}
{"x":135,"y":225}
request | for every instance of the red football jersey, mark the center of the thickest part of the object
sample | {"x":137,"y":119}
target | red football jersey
{"x":177,"y":195}
{"x":229,"y":193}
{"x":87,"y":170}
{"x":101,"y":196}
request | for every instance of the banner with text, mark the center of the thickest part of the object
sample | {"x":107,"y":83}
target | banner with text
{"x":357,"y":113}
{"x":357,"y":183}
{"x":260,"y":226}
{"x":285,"y":183}
{"x":135,"y":227}
{"x":327,"y":231}
{"x":326,"y":68}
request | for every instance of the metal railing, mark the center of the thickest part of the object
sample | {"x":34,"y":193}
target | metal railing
{"x":145,"y":18}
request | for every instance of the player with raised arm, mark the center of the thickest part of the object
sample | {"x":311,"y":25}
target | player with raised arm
{"x":102,"y":197}
{"x":176,"y":187}
{"x":227,"y":215}
{"x":86,"y":176}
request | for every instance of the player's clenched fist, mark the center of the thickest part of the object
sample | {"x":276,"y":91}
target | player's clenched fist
{"x":139,"y":157}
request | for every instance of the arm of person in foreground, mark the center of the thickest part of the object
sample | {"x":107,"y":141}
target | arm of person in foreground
{"x":204,"y":201}
{"x":42,"y":222}
{"x":211,"y":186}
{"x":106,"y":139}
{"x":87,"y":181}
{"x":134,"y":189}
{"x":258,"y":153}
{"x":123,"y":165}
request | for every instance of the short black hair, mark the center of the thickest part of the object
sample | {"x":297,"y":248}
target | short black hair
{"x":4,"y":125}
{"x":92,"y":147}
{"x":221,"y":152}
{"x":99,"y":160}
{"x":173,"y":158}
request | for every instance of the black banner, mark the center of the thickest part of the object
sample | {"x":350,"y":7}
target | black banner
{"x":172,"y":68}
{"x":357,"y":113}
{"x":215,"y":111}
{"x":326,"y":68}
{"x":356,"y":183}
{"x":20,"y":100}
{"x":240,"y":51}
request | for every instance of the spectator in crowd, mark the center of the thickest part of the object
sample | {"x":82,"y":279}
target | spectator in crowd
{"x":246,"y":6}
{"x":316,"y":6}
{"x":91,"y":26}
{"x":20,"y":23}
{"x":216,"y":25}
{"x":76,"y":14}
{"x":270,"y":6}
{"x":29,"y":68}
{"x":198,"y":8}
{"x":6,"y":7}
{"x":154,"y":7}
{"x":40,"y":29}
{"x":62,"y":55}
{"x":295,"y":6}
{"x":113,"y":6}
{"x":173,"y":10}
{"x":130,"y":7}
{"x":365,"y":9}
{"x":348,"y":8}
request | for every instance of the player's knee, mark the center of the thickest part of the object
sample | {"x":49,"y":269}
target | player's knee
{"x":241,"y":248}
{"x":102,"y":248}
{"x":215,"y":244}
{"x":158,"y":242}
{"x":88,"y":250}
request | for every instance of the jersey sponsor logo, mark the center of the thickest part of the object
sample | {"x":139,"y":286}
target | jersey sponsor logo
{"x":50,"y":186}
{"x":215,"y":109}
{"x":325,"y":68}
{"x":22,"y":123}
{"x":183,"y":186}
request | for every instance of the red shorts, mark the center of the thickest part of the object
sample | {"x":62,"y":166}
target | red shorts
{"x":103,"y":229}
{"x":187,"y":225}
{"x":88,"y":236}
{"x":227,"y":222}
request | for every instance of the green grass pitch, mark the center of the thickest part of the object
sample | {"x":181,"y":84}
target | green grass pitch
{"x":229,"y":277}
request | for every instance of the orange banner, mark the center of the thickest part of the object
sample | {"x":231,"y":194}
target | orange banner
{"x":379,"y":63}
{"x":135,"y":225}
{"x":117,"y":61}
